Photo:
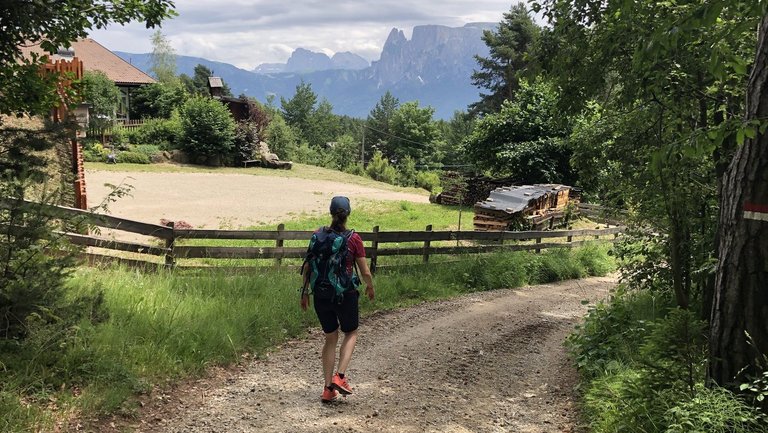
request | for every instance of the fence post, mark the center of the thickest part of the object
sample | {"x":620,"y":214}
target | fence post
{"x":569,"y":238}
{"x":374,"y":248}
{"x":279,"y":244}
{"x":427,"y":244}
{"x":170,"y":261}
{"x":538,"y":241}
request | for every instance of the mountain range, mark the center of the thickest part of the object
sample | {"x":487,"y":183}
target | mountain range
{"x":434,"y":67}
{"x":304,"y":61}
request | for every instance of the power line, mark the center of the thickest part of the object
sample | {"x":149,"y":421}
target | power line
{"x":395,"y":136}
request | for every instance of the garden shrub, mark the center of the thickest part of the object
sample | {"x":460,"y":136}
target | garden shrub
{"x":146,"y":149}
{"x":164,"y":133}
{"x":94,"y":151}
{"x":246,"y":142}
{"x":129,"y":157}
{"x":208,"y":129}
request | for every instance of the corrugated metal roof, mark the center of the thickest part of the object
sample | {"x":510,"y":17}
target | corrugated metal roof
{"x":96,"y":57}
{"x":512,"y":199}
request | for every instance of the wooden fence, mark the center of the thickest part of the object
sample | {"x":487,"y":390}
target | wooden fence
{"x":169,"y":243}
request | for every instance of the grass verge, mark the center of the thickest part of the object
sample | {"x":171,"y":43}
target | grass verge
{"x":144,"y":330}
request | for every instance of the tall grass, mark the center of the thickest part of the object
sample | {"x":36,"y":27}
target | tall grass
{"x":147,"y":329}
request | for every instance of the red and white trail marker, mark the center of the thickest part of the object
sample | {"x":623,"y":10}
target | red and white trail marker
{"x":754,"y":211}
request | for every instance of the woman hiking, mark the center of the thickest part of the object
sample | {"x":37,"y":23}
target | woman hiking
{"x":329,"y":270}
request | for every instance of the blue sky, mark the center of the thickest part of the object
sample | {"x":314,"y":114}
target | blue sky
{"x":247,"y":33}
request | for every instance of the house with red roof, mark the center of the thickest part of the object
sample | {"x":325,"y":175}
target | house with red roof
{"x":96,"y":57}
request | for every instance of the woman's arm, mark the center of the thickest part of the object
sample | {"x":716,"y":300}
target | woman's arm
{"x":365,"y":274}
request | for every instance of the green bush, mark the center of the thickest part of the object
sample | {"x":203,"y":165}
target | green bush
{"x":208,"y":129}
{"x":146,"y":149}
{"x":345,"y":154}
{"x":357,"y":170}
{"x":94,"y":152}
{"x":129,"y":157}
{"x":380,"y":169}
{"x":306,"y":154}
{"x":612,"y":331}
{"x":119,"y":137}
{"x":164,"y":133}
{"x":428,"y":180}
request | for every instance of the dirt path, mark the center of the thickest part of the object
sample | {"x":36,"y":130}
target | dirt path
{"x":486,"y":362}
{"x":226,"y":200}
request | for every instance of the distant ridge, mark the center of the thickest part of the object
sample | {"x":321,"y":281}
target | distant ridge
{"x":434,"y":67}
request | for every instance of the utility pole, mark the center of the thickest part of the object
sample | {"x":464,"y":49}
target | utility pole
{"x":362,"y":149}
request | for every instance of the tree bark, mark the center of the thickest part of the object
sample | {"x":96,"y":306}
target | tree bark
{"x":740,"y":305}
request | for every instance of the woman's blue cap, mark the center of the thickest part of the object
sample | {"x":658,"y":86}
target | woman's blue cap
{"x":340,"y":203}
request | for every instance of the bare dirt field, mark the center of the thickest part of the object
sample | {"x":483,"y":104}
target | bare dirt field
{"x":485,"y":362}
{"x":226,"y":200}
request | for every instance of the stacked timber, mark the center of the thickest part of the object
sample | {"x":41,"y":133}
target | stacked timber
{"x":460,"y":189}
{"x":523,"y":207}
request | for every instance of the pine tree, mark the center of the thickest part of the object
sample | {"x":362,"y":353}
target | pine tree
{"x":509,"y":59}
{"x":379,"y":121}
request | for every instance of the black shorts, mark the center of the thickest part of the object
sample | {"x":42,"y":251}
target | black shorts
{"x":333,"y":314}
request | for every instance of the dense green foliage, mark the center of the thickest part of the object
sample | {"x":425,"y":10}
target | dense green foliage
{"x":157,"y":100}
{"x":164,"y":133}
{"x":644,"y":367}
{"x":103,"y":97}
{"x":208,"y":130}
{"x":526,"y":139}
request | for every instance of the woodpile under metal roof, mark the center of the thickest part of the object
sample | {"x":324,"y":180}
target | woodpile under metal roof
{"x":523,"y":207}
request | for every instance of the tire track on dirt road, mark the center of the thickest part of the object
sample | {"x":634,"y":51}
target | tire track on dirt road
{"x":484,"y":362}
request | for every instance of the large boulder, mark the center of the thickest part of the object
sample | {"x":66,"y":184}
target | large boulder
{"x":180,"y":157}
{"x":271,"y":160}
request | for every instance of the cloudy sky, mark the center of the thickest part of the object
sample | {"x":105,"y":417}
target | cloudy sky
{"x":247,"y":33}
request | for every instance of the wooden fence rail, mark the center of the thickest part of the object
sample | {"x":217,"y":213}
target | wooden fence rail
{"x":171,"y":242}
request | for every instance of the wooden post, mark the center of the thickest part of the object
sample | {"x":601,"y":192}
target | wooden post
{"x":170,"y":261}
{"x":279,"y":244}
{"x":374,"y":248}
{"x":427,"y":244}
{"x":569,"y":238}
{"x":538,"y":250}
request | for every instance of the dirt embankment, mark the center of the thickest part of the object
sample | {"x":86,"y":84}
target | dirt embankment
{"x":486,"y":362}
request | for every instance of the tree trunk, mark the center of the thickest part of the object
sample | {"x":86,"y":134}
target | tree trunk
{"x":740,"y":303}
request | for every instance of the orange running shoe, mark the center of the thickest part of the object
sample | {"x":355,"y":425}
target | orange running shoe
{"x":328,"y":395}
{"x":341,"y":385}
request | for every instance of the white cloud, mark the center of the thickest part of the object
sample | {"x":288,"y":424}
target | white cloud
{"x":247,"y":33}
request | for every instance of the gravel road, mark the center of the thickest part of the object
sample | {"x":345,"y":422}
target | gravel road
{"x":226,"y":200}
{"x":486,"y":362}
